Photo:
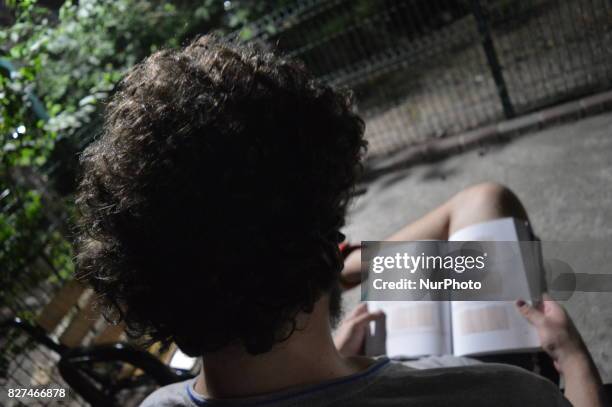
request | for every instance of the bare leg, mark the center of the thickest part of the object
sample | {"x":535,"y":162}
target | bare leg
{"x":476,"y":204}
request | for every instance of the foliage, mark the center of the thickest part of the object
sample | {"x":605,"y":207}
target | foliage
{"x":56,"y":69}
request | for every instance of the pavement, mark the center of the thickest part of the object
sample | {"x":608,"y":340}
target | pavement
{"x":563,"y":175}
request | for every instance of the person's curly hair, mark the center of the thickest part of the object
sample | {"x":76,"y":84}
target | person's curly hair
{"x":211,"y":204}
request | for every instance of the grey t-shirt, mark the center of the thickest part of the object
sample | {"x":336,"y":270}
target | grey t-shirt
{"x":392,"y":384}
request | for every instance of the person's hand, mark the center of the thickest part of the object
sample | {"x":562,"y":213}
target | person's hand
{"x":561,"y":340}
{"x":558,"y":335}
{"x":351,"y":334}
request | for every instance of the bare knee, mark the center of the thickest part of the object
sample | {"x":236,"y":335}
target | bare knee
{"x":482,"y":202}
{"x":485,"y":194}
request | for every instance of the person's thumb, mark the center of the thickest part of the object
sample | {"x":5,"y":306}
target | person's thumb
{"x":532,"y":314}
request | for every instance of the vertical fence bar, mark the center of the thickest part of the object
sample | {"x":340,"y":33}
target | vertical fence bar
{"x":492,"y":59}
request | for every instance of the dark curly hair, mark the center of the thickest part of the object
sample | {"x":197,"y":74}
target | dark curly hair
{"x":210,"y":206}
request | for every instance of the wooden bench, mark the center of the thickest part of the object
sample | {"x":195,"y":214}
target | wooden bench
{"x":72,"y":318}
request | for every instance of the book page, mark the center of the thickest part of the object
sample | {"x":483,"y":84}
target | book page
{"x":490,"y":327}
{"x":413,"y":329}
{"x":498,"y":230}
{"x":482,"y":327}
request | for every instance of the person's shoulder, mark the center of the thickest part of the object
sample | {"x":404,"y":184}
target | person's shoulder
{"x":487,"y":382}
{"x":172,"y":395}
{"x":481,"y":371}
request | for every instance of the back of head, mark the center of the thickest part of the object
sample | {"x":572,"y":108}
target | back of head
{"x":211,"y":204}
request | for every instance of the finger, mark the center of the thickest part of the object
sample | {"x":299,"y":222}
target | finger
{"x":533,"y":315}
{"x":553,"y":308}
{"x":367,"y":318}
{"x":548,"y":304}
{"x":546,"y":299}
{"x":358,"y":310}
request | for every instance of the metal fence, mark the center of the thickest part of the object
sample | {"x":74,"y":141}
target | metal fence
{"x":422,"y":69}
{"x":25,"y":363}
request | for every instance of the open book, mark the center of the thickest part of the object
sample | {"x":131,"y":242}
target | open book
{"x":461,"y":328}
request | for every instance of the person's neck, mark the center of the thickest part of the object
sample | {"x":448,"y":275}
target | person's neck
{"x":307,"y":357}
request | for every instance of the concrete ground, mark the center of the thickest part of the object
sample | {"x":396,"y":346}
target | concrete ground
{"x":562,"y":174}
